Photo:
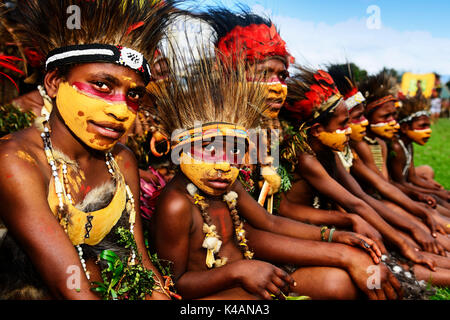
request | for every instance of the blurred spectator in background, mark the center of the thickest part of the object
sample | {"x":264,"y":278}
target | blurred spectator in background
{"x":436,"y":103}
{"x":445,"y":96}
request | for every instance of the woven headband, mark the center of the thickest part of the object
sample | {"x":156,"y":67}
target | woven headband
{"x":354,"y":100}
{"x":415,"y":115}
{"x":208,"y":130}
{"x":88,"y":53}
{"x":379,"y":102}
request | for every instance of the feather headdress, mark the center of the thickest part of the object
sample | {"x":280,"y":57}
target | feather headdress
{"x":207,"y":98}
{"x":343,"y":78}
{"x":413,"y":107}
{"x":245,"y":35}
{"x":311,"y":95}
{"x":88,"y":29}
{"x":378,"y":89}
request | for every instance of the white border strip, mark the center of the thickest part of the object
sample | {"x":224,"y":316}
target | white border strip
{"x":354,"y":100}
{"x":76,"y":53}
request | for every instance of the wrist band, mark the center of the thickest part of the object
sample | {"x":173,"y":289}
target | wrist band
{"x":330,"y":236}
{"x":322,"y":232}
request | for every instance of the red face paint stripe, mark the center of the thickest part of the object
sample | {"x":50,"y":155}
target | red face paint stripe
{"x":114,"y":98}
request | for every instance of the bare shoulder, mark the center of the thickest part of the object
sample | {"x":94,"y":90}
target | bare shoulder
{"x":21,"y":151}
{"x":360,"y":147}
{"x":381,"y":142}
{"x":308,"y":163}
{"x":173,"y":203}
{"x":27,"y":140}
{"x":128,"y":165}
{"x":21,"y":169}
{"x":124,"y":156}
{"x":397,"y":149}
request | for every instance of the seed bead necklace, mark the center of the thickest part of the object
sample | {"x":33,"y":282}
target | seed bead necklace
{"x":212,"y":240}
{"x":62,"y":189}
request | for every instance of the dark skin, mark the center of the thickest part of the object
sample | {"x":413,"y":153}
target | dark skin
{"x":384,"y":113}
{"x":316,"y":177}
{"x":295,"y":204}
{"x":30,"y":101}
{"x":387,"y":113}
{"x":179,"y":220}
{"x":363,"y":174}
{"x":402,"y":242}
{"x":28,"y":216}
{"x":271,"y":70}
{"x":412,"y":180}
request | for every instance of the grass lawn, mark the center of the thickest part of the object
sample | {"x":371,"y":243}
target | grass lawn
{"x":436,"y":153}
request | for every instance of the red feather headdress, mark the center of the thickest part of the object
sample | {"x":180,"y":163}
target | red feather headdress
{"x":254,"y":42}
{"x":310,"y":94}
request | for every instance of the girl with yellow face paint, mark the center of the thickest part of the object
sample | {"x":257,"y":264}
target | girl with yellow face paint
{"x":213,"y":178}
{"x":419,"y":136}
{"x":82,"y":186}
{"x":417,"y":129}
{"x":97,"y":119}
{"x":357,"y":122}
{"x":276,"y":96}
{"x":358,"y":129}
{"x":336,"y":140}
{"x":382,"y":121}
{"x":384,"y":129}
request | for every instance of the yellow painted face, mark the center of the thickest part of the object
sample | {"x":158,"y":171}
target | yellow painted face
{"x":276,"y":93}
{"x":336,"y":140}
{"x":419,"y":136}
{"x":396,"y":127}
{"x":358,"y":130}
{"x":384,"y":129}
{"x":97,"y":121}
{"x":212,"y":178}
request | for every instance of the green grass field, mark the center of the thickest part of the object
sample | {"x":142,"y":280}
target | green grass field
{"x":436,"y":153}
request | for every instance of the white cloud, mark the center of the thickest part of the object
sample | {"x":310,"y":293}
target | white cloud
{"x":317,"y":44}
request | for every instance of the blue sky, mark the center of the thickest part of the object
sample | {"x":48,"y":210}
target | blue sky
{"x":424,"y":15}
{"x":414,"y":35}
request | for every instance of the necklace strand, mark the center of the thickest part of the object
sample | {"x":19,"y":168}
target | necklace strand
{"x":63,"y":190}
{"x":212,"y":242}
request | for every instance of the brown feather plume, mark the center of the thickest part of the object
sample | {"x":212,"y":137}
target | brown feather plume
{"x":206,"y":91}
{"x":412,"y":105}
{"x":43,"y":24}
{"x":378,"y":86}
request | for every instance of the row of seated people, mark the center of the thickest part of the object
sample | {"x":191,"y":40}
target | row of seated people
{"x":339,"y":206}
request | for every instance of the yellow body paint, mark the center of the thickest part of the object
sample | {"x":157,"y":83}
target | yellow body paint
{"x":25,"y":156}
{"x":77,"y":109}
{"x":384,"y":129}
{"x":358,"y":130}
{"x":419,"y":136}
{"x":336,"y":140}
{"x":198,"y":171}
{"x":274,"y":91}
{"x":103,"y":219}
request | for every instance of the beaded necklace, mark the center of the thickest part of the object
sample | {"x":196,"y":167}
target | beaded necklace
{"x":212,"y":240}
{"x":62,"y":189}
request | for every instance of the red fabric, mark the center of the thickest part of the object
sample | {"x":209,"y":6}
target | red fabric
{"x":253,"y":42}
